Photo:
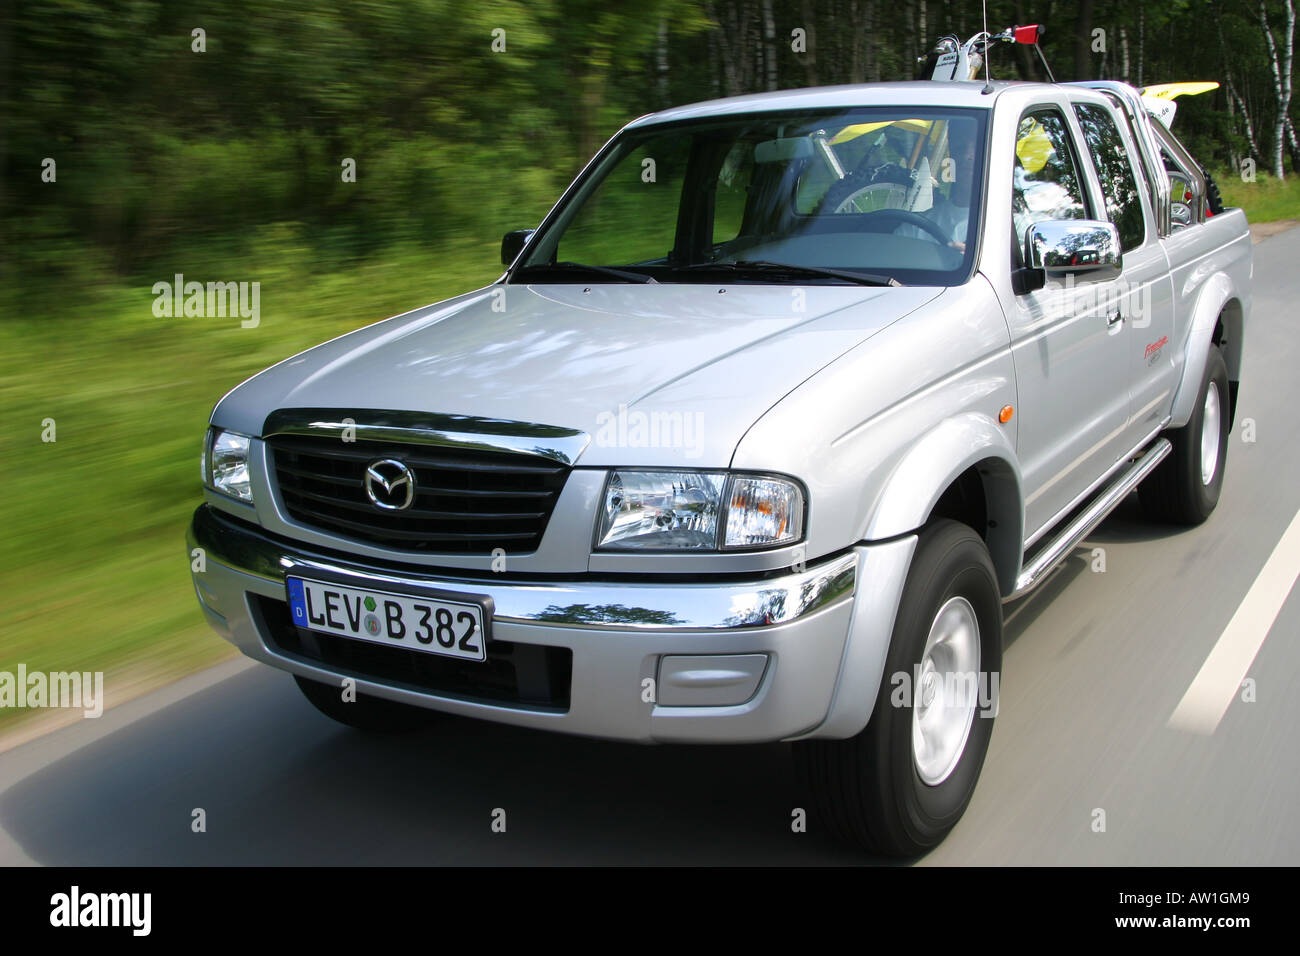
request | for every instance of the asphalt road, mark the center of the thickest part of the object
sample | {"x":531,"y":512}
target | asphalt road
{"x":1096,"y":664}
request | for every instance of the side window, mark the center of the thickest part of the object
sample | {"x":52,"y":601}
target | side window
{"x":1045,"y":183}
{"x":1118,"y":184}
{"x":632,"y":217}
{"x":1144,"y":160}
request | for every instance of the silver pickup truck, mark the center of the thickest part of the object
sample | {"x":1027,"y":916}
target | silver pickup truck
{"x":763,"y":424}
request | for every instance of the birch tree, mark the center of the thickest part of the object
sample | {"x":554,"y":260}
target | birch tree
{"x":1280,"y":64}
{"x":1237,"y":106}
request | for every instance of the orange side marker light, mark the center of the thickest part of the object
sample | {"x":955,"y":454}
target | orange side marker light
{"x":1004,"y":416}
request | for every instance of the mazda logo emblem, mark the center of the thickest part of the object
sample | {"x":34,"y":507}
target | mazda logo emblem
{"x":390,"y":485}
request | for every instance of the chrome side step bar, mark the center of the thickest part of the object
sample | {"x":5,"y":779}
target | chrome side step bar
{"x":1034,"y":573}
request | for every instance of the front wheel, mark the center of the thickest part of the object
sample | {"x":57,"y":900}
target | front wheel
{"x":901,"y":785}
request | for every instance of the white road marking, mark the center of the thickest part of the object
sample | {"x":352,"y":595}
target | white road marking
{"x":1216,"y":685}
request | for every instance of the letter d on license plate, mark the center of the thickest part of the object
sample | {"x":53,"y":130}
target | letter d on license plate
{"x":452,"y":628}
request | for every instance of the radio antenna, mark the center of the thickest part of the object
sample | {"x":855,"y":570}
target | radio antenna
{"x":988,"y":77}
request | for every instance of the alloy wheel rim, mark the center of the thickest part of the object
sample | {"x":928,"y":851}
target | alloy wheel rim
{"x":1210,"y":422}
{"x":943,"y":710}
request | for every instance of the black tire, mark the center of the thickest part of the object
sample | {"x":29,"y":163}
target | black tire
{"x":372,"y":714}
{"x":1212,"y":198}
{"x":1175,"y":491}
{"x":866,"y":790}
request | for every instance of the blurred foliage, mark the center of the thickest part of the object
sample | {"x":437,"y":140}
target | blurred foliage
{"x":93,"y":565}
{"x":463,"y":120}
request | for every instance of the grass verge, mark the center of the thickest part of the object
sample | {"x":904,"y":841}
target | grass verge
{"x":1264,"y":200}
{"x":93,"y":566}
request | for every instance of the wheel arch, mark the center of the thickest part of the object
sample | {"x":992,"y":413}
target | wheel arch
{"x":1228,"y":336}
{"x":1217,"y":319}
{"x":965,"y":469}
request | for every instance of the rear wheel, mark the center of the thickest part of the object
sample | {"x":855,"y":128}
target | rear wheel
{"x":374,"y":714}
{"x":1185,"y":487}
{"x":901,"y":785}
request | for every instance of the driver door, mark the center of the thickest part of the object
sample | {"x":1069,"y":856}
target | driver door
{"x":1071,"y":367}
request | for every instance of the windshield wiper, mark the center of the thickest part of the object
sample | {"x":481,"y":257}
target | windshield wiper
{"x":765,"y":267}
{"x":624,"y":274}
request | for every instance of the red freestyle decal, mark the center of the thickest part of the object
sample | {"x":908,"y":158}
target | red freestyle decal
{"x":1154,"y":348}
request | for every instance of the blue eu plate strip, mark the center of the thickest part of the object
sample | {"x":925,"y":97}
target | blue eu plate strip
{"x":297,"y":602}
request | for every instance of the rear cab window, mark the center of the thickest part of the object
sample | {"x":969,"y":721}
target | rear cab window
{"x":1186,"y":183}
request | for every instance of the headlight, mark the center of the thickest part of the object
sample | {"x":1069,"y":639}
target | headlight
{"x":660,"y":510}
{"x":225,"y":467}
{"x":698,"y":511}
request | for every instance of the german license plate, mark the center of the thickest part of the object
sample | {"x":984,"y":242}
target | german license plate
{"x":418,"y":623}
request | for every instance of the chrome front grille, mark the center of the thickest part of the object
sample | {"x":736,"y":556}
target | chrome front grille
{"x":466,"y":501}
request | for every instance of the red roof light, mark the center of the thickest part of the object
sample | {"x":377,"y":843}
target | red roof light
{"x":1028,"y":35}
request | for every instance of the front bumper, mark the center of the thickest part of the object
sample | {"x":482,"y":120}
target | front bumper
{"x":765,"y":659}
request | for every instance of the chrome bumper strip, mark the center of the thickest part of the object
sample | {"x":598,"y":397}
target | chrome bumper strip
{"x":643,"y":605}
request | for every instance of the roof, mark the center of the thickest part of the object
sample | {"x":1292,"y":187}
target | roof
{"x":911,"y":93}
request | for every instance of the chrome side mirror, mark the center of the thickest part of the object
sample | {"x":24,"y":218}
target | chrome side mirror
{"x":1073,"y":246}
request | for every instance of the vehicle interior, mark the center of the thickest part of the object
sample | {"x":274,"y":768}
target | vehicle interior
{"x":851,"y":190}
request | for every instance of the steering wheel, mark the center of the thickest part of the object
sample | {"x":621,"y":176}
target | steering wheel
{"x":902,"y":216}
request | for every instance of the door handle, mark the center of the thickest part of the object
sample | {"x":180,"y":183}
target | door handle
{"x":1114,"y":319}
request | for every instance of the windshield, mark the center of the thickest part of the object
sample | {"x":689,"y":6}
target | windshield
{"x":876,"y":195}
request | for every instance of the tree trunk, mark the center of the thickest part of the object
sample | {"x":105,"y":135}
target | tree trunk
{"x":661,"y":63}
{"x":1280,"y":64}
{"x":591,"y":100}
{"x":6,"y":68}
{"x":1025,"y":59}
{"x":729,"y":52}
{"x":1235,"y":103}
{"x":857,"y":71}
{"x":1293,"y":147}
{"x":1142,"y":42}
{"x":910,"y":39}
{"x":715,"y":64}
{"x":873,"y":42}
{"x":809,"y":57}
{"x":1083,"y":41}
{"x":769,"y":44}
{"x":1252,"y":143}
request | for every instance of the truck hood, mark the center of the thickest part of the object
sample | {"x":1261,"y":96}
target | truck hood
{"x":653,"y":373}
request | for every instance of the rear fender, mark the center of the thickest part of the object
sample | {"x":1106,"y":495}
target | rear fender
{"x":1215,"y":300}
